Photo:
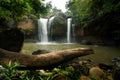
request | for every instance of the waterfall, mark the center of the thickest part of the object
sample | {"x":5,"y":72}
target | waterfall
{"x":69,"y":30}
{"x":42,"y":30}
{"x":50,"y":22}
{"x":49,"y":27}
{"x":45,"y":27}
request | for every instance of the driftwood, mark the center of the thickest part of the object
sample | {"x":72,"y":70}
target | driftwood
{"x":43,"y":61}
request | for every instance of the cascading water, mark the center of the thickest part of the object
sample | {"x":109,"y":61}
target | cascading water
{"x":50,"y":22}
{"x":49,"y":26}
{"x":42,"y":30}
{"x":69,"y":30}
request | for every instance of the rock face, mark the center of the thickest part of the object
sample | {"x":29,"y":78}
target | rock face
{"x":11,"y":39}
{"x":58,"y":29}
{"x":29,"y":27}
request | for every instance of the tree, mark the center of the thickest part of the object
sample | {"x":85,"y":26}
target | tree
{"x":79,"y":9}
{"x":99,"y":17}
{"x":16,"y":9}
{"x":105,"y":18}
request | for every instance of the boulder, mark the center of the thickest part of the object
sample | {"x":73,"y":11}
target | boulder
{"x":11,"y":39}
{"x":97,"y":73}
{"x":40,"y":51}
{"x":84,"y":78}
{"x":60,"y":77}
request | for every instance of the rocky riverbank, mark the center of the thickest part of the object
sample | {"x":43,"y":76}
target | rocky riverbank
{"x":73,"y":70}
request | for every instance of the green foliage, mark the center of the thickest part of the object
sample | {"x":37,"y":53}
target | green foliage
{"x":80,"y":9}
{"x":39,"y":8}
{"x":101,"y":7}
{"x":10,"y":72}
{"x":98,"y":17}
{"x":12,"y":9}
{"x":16,"y":9}
{"x":105,"y":18}
{"x":55,"y":11}
{"x":59,"y":22}
{"x":89,"y":10}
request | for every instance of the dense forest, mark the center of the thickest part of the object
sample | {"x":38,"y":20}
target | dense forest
{"x":98,"y":17}
{"x":17,"y":9}
{"x":95,"y":17}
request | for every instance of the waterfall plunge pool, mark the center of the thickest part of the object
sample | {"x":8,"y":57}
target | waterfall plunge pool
{"x":102,"y":54}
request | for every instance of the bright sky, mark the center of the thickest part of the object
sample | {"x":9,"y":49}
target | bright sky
{"x":59,"y":4}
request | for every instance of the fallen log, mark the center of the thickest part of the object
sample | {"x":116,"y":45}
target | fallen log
{"x":43,"y":61}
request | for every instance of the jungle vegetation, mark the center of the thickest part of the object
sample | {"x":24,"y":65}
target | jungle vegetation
{"x":18,"y":9}
{"x":98,"y":17}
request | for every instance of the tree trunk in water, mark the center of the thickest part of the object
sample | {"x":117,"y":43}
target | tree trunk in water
{"x":43,"y":61}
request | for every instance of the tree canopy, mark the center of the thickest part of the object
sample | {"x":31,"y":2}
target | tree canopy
{"x":16,"y":9}
{"x":99,"y":17}
{"x":79,"y":9}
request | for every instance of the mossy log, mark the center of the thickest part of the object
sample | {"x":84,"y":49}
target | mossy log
{"x":43,"y":61}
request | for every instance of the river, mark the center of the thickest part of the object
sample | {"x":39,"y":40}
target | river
{"x":102,"y":54}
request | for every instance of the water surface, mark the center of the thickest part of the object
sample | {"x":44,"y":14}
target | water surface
{"x":102,"y":54}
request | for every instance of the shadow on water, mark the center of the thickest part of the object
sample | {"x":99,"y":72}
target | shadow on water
{"x":102,"y":54}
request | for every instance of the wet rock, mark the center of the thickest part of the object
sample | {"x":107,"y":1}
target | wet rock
{"x":116,"y":71}
{"x":84,"y":78}
{"x":105,"y":66}
{"x":117,"y":59}
{"x":97,"y":73}
{"x":40,"y":51}
{"x":60,"y":77}
{"x":82,"y":62}
{"x":12,"y":39}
